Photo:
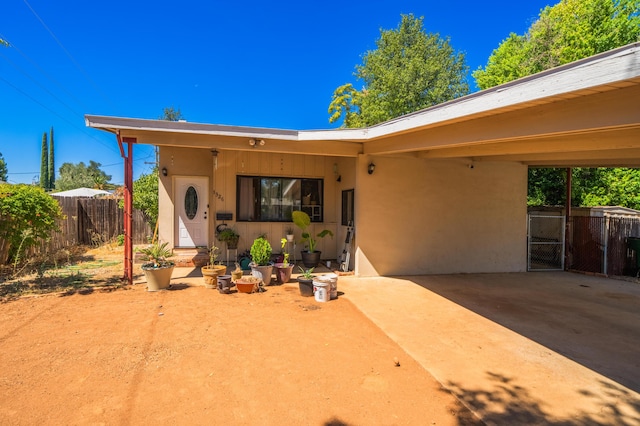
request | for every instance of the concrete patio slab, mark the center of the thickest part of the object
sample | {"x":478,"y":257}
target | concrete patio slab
{"x":530,"y":348}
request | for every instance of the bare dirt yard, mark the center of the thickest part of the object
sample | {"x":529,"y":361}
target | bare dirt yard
{"x":91,"y":353}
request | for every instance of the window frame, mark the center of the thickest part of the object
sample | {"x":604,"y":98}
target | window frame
{"x":257,"y":189}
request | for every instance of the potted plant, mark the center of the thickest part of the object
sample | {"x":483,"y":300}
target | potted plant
{"x":310,"y":257}
{"x":261,"y":266}
{"x":212,"y":269}
{"x":284,"y":269}
{"x":305,"y":281}
{"x":237,"y":273}
{"x":289,"y":233}
{"x":230,"y":237}
{"x":157,"y":268}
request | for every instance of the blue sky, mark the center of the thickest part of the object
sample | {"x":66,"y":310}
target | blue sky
{"x":247,"y":63}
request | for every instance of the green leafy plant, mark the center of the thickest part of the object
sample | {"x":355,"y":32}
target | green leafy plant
{"x":261,"y":251}
{"x":229,"y":236}
{"x":306,"y":273}
{"x":285,"y":260}
{"x":213,"y":255}
{"x":156,"y":256}
{"x":303,"y":221}
{"x":25,"y":208}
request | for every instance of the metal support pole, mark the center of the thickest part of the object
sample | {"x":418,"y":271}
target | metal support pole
{"x":128,"y":205}
{"x":567,"y":222}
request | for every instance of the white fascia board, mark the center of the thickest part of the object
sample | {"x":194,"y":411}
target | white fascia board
{"x":113,"y":124}
{"x":600,"y":70}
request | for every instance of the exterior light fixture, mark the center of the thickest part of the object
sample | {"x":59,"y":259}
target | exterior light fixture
{"x":164,"y":171}
{"x":370,"y":168}
{"x":214,"y":152}
{"x":256,"y":142}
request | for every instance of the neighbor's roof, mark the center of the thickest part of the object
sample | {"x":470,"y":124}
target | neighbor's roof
{"x":81,"y":192}
{"x":582,"y":113}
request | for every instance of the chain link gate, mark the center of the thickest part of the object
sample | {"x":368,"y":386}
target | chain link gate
{"x":545,"y":243}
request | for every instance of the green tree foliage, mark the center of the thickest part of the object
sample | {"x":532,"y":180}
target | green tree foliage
{"x":44,"y":164}
{"x":4,"y":43}
{"x":171,"y":114}
{"x":79,"y":175}
{"x":566,"y":32}
{"x":4,"y":172}
{"x":27,"y":214}
{"x":408,"y":71}
{"x":569,"y":31}
{"x":51,"y":164}
{"x":145,"y":195}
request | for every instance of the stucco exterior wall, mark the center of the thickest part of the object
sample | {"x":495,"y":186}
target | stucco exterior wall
{"x":417,"y":216}
{"x":222,"y":192}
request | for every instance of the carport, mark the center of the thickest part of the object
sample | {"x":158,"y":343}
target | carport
{"x":523,"y":348}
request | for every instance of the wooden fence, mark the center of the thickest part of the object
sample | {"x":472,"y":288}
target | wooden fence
{"x":599,"y":245}
{"x":93,"y":221}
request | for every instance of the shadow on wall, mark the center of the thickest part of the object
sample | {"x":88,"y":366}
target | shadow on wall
{"x":510,"y":404}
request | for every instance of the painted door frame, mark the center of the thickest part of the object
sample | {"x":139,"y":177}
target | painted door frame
{"x":191,"y":232}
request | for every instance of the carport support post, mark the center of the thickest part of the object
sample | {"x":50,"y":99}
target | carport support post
{"x":128,"y":205}
{"x":567,"y":225}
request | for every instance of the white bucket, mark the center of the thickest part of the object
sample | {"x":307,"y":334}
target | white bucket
{"x":321,"y":291}
{"x":332,"y":279}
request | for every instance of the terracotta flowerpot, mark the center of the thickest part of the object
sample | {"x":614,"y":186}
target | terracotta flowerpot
{"x":283,"y":272}
{"x":247,"y":284}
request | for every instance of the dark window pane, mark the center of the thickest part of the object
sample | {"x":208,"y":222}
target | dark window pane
{"x":191,"y":202}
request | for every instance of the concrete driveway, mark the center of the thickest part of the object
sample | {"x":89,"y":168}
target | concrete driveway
{"x":531,"y":348}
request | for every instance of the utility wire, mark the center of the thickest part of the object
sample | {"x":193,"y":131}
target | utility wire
{"x":77,"y":65}
{"x":58,"y":115}
{"x":46,"y":74}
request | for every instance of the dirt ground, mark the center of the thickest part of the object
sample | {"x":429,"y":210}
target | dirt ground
{"x":190,"y":355}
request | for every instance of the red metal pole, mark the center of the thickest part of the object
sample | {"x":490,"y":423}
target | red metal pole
{"x":128,"y":205}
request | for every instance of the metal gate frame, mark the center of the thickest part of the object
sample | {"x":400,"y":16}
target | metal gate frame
{"x":534,"y":246}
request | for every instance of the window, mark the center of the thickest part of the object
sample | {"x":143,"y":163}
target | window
{"x":272,"y":199}
{"x":347,"y":207}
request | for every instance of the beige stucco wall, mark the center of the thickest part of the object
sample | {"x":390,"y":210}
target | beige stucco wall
{"x":417,"y":216}
{"x":222,"y":191}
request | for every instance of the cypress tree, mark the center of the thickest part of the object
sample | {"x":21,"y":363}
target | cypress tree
{"x":44,"y":166}
{"x":52,"y":164}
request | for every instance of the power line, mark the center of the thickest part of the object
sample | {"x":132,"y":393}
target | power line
{"x":75,"y":63}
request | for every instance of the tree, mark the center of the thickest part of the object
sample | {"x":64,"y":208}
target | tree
{"x":408,"y":71}
{"x":4,"y":43}
{"x":171,"y":114}
{"x":44,"y":165}
{"x":145,"y":190}
{"x":4,"y":172}
{"x":51,"y":164}
{"x":566,"y":32}
{"x":27,"y":214}
{"x":79,"y":175}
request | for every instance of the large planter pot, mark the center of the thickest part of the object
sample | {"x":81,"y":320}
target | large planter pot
{"x":158,"y":278}
{"x":210,"y":274}
{"x":311,"y":259}
{"x":283,"y":272}
{"x":306,"y":286}
{"x":262,"y":272}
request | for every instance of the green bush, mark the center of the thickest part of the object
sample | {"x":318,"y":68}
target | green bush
{"x":261,"y":251}
{"x":27,"y":214}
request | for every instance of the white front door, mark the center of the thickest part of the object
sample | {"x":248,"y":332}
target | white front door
{"x":192,"y":211}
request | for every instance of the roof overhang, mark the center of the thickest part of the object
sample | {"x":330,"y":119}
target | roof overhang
{"x":581,"y":114}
